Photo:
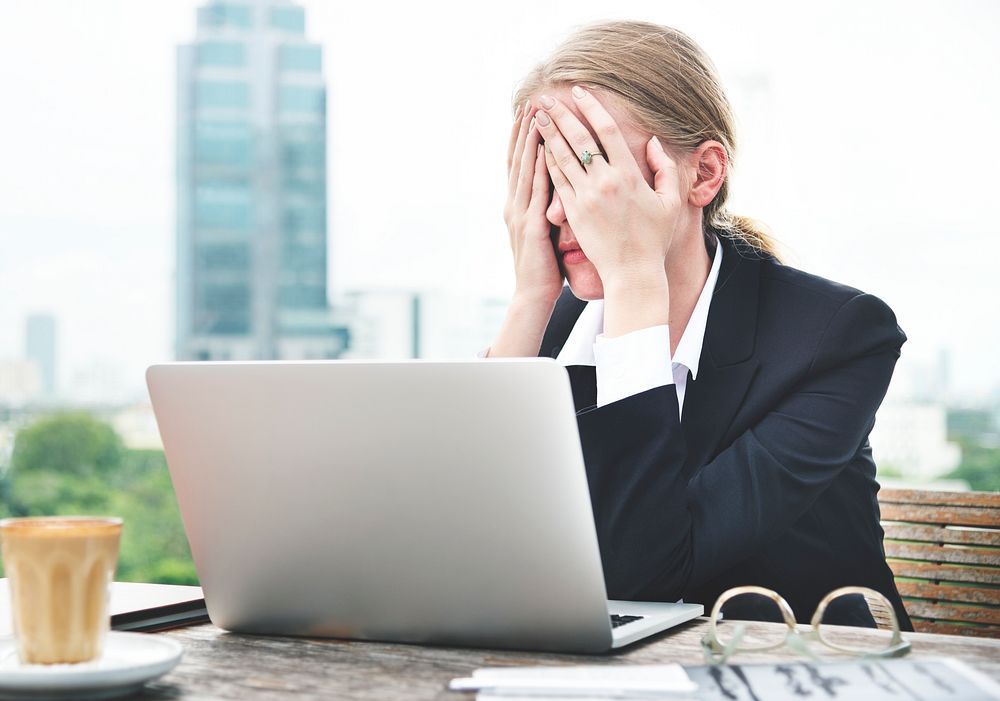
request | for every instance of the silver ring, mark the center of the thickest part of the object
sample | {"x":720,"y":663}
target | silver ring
{"x":588,"y":156}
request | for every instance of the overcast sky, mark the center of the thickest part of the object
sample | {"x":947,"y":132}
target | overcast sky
{"x":867,"y":144}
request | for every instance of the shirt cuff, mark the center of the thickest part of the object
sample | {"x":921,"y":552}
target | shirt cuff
{"x":633,"y":363}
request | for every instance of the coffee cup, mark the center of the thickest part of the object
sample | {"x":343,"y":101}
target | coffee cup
{"x":60,"y":570}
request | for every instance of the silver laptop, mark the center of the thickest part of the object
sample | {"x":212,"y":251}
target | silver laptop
{"x":419,"y":501}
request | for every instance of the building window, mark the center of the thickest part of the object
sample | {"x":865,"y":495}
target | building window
{"x":223,"y":309}
{"x":225,"y":14}
{"x":298,"y":185}
{"x":298,"y":259}
{"x":219,"y":143}
{"x":301,"y":99}
{"x":303,"y":154}
{"x":230,"y":54}
{"x":303,"y":219}
{"x":305,"y":57}
{"x":226,"y":94}
{"x":230,"y":257}
{"x":289,"y":19}
{"x":223,"y":205}
{"x":302,"y":297}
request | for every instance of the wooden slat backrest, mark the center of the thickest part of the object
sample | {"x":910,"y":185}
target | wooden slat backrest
{"x":944,"y":550}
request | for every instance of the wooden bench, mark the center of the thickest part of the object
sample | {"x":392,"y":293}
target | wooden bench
{"x":944,"y":550}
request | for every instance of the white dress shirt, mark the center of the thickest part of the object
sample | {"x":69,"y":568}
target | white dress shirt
{"x":640,"y":360}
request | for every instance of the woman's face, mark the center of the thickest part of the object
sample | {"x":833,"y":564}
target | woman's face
{"x":580,"y":272}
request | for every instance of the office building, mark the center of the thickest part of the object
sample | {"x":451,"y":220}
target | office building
{"x":400,"y":324}
{"x":384,"y":324}
{"x":40,"y":348}
{"x":251,"y":188}
{"x":911,"y":438}
{"x":20,"y":382}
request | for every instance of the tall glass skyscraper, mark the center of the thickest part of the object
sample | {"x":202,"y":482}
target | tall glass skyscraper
{"x":40,"y":348}
{"x":251,"y":188}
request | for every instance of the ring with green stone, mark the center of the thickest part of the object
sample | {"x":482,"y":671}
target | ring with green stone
{"x":588,"y":156}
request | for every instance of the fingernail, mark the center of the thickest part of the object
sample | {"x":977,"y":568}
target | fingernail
{"x":542,"y":118}
{"x":658,"y":144}
{"x":532,"y":125}
{"x":527,"y":106}
{"x":547,"y":102}
{"x":579,"y":92}
{"x":517,"y":113}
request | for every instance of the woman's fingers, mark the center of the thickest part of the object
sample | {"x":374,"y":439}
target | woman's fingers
{"x":518,"y":151}
{"x":525,"y":175}
{"x":575,"y":134}
{"x":515,"y":129}
{"x":539,"y":184}
{"x":563,"y":186}
{"x":613,"y":143}
{"x":666,"y":179}
{"x":560,"y":151}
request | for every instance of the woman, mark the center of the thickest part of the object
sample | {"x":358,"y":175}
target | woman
{"x":724,"y":400}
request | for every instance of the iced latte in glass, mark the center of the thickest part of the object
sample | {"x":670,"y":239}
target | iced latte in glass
{"x":60,"y":569}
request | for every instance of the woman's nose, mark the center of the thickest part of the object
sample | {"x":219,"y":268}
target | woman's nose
{"x":555,"y":212}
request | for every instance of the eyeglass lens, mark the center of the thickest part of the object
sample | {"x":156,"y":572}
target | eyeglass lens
{"x":854,"y":610}
{"x":751,"y":607}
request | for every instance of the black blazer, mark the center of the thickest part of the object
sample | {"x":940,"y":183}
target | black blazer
{"x":769,"y":480}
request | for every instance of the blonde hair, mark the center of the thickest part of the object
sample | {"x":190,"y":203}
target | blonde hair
{"x":671,"y":89}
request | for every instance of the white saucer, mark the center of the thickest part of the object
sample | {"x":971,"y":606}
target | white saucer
{"x":129,"y":661}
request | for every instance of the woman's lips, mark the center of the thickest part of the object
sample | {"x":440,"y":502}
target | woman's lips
{"x":574,"y":255}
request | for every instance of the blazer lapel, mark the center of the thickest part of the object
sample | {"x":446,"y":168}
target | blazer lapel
{"x":583,"y":382}
{"x":567,"y":310}
{"x":727,"y":364}
{"x":582,"y":378}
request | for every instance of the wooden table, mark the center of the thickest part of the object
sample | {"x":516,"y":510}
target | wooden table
{"x":220,"y":665}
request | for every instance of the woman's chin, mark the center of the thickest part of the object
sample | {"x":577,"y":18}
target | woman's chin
{"x":585,"y":284}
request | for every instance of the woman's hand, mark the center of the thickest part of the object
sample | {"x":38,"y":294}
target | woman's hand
{"x":539,"y":280}
{"x":535,"y":267}
{"x":624,"y":226}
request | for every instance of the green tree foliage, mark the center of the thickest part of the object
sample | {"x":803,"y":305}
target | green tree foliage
{"x":75,"y":464}
{"x":970,"y":425}
{"x":980,"y":467}
{"x":60,"y":464}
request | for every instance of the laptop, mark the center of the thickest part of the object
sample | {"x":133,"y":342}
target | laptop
{"x":417,"y":501}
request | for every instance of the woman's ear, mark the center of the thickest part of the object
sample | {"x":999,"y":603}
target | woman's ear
{"x":708,"y":165}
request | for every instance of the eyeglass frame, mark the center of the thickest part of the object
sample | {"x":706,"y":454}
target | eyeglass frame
{"x":717,"y":652}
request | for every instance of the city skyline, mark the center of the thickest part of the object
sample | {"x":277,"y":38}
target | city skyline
{"x":859,"y":97}
{"x":251,"y":188}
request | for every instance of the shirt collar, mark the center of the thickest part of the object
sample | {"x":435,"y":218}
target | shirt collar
{"x":579,"y":346}
{"x":688,"y":351}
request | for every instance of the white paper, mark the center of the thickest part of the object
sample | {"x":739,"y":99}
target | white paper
{"x":911,"y":678}
{"x":595,"y":696}
{"x":603,"y":681}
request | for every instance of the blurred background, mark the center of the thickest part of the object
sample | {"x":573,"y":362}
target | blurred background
{"x":236,"y":179}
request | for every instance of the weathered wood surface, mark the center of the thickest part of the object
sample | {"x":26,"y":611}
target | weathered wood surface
{"x":916,"y":589}
{"x":943,"y":573}
{"x":978,"y":631}
{"x":945,"y":538}
{"x":219,"y":665}
{"x":943,"y":611}
{"x":954,"y":554}
{"x":949,"y":515}
{"x":941,"y":534}
{"x":923,"y":496}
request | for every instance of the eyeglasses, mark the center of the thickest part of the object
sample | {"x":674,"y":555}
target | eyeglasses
{"x":719,"y":646}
